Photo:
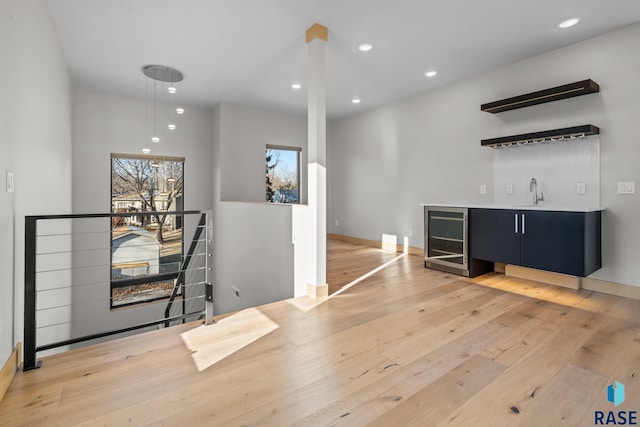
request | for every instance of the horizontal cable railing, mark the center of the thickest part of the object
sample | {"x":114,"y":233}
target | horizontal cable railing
{"x":91,"y":276}
{"x":180,"y":284}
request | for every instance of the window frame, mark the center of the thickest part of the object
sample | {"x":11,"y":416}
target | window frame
{"x":149,"y":278}
{"x":298,"y":151}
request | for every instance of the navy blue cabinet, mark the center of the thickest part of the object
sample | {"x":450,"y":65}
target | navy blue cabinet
{"x":562,"y":242}
{"x":494,"y":235}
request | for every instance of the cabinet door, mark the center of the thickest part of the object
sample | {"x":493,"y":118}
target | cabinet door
{"x":494,"y":235}
{"x":553,"y":241}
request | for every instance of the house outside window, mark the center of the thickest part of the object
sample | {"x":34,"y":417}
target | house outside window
{"x":146,"y":249}
{"x":282,"y":177}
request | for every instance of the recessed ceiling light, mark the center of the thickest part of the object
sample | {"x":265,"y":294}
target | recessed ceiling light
{"x":569,"y":22}
{"x":171,"y":126}
{"x":155,"y":139}
{"x":180,"y":110}
{"x":146,"y":150}
{"x":296,"y":86}
{"x":431,"y":73}
{"x":356,"y":100}
{"x":171,"y":89}
{"x":365,"y":47}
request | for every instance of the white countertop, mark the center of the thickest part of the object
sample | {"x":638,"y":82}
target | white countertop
{"x":515,"y":207}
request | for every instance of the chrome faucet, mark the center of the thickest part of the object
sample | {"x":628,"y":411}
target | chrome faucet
{"x":533,"y":187}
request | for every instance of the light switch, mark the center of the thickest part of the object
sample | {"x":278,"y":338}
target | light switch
{"x":483,"y":189}
{"x":10,"y":182}
{"x":581,"y":188}
{"x":509,"y":189}
{"x":627,"y":187}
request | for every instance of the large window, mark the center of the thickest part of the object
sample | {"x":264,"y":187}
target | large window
{"x":146,"y":249}
{"x":282,"y":174}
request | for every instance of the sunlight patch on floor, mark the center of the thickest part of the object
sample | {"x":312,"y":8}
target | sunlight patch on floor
{"x":365,"y":276}
{"x":213,"y":343}
{"x":305,"y":303}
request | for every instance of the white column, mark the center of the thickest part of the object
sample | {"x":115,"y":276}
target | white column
{"x":310,"y":223}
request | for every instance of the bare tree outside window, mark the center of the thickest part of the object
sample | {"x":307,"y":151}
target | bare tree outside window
{"x":282,"y":177}
{"x":146,"y":250}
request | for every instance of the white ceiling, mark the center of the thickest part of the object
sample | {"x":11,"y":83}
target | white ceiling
{"x":250,"y":51}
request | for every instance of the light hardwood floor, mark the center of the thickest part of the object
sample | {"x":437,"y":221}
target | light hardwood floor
{"x":406,"y":346}
{"x":347,"y":262}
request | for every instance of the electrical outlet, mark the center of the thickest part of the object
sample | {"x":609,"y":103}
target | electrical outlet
{"x":337,"y":223}
{"x":236,"y":292}
{"x":410,"y":233}
{"x":627,"y":187}
{"x":581,"y":188}
{"x":483,"y":189}
{"x":509,"y":189}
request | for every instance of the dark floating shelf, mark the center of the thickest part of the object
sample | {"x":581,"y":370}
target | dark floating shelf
{"x":540,"y":97}
{"x":564,"y":134}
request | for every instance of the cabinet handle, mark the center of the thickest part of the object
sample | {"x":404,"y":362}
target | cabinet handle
{"x":522,"y":223}
{"x":516,"y":217}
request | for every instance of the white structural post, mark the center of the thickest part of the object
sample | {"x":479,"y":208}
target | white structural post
{"x":310,"y":222}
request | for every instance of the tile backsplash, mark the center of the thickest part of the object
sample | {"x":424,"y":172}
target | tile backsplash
{"x":558,"y":167}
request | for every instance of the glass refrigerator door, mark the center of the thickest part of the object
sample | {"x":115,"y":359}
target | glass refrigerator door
{"x":446,"y":236}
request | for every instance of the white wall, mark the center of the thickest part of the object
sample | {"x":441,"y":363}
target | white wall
{"x":253,"y":253}
{"x":105,"y":124}
{"x":252,"y":239}
{"x":386,"y":161}
{"x":248,"y":131}
{"x":36,"y":124}
{"x":426,"y":148}
{"x":8,"y":94}
{"x":6,"y":239}
{"x":220,"y":149}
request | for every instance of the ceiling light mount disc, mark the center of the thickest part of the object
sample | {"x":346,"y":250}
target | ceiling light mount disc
{"x":162,"y":73}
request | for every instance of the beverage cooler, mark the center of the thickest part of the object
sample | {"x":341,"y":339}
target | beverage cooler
{"x":446,"y":239}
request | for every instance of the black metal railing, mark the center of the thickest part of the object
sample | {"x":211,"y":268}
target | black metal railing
{"x":180,"y":284}
{"x":69,"y":266}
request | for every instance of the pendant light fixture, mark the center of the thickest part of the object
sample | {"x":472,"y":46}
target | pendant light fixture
{"x":161,"y":96}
